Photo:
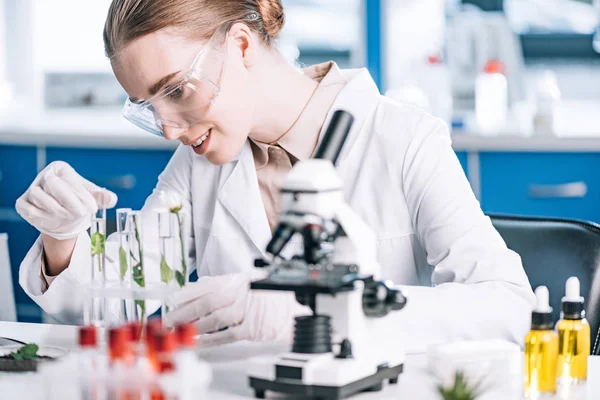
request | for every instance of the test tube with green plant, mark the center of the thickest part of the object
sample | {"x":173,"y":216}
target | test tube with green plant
{"x":172,"y":201}
{"x":166,"y":238}
{"x":98,"y":269}
{"x":136,"y":263}
{"x":124,"y":231}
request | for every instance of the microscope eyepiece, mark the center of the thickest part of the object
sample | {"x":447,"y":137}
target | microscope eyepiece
{"x":335,"y":136}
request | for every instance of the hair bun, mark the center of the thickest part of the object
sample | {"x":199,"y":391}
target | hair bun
{"x":272,"y":15}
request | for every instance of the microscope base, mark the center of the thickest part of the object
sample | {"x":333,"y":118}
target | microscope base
{"x":371,"y":383}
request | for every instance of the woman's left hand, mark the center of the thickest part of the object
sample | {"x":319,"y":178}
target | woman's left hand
{"x":225,"y":310}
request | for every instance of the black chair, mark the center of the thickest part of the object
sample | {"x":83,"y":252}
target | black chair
{"x":553,"y":250}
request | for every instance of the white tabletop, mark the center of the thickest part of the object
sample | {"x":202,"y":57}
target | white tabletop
{"x":229,"y":370}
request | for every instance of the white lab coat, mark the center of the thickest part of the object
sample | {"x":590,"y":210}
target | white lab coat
{"x":432,"y":237}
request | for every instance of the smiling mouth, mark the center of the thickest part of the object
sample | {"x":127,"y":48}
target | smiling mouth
{"x":201,"y":140}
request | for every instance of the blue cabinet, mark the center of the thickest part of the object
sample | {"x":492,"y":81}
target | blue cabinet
{"x":462,"y":158}
{"x":18,"y":168}
{"x":541,"y":184}
{"x":131,"y":174}
{"x":21,"y":237}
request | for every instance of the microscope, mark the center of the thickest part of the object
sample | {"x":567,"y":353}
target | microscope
{"x":344,"y":347}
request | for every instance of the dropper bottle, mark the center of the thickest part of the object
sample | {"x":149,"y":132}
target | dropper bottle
{"x":573,"y":336}
{"x":541,"y":348}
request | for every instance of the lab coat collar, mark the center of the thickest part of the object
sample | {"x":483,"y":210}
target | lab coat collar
{"x":359,"y":97}
{"x":300,"y":140}
{"x":246,"y":208}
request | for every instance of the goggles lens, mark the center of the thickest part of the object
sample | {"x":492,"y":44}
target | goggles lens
{"x":187,"y":102}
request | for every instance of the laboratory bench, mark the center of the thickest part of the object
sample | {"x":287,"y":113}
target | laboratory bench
{"x":230,"y":379}
{"x":533,"y":175}
{"x":536,"y":175}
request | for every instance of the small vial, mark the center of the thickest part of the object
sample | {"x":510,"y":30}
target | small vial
{"x":186,"y":362}
{"x":119,"y":345}
{"x":91,"y":367}
{"x":541,"y":349}
{"x":136,"y":333}
{"x":141,"y":369}
{"x":166,"y":345}
{"x":152,"y":329}
{"x":573,"y":337}
{"x":121,"y":360}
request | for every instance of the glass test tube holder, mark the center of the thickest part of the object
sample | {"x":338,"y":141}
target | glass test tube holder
{"x":130,"y":291}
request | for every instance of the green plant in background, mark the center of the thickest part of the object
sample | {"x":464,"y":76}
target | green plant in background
{"x":27,"y":352}
{"x":98,"y":242}
{"x":461,"y":390}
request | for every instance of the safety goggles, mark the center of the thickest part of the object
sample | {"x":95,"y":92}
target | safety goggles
{"x":187,"y":102}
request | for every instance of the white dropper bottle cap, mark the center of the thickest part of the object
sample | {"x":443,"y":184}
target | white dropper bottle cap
{"x":542,"y":296}
{"x":573,"y":291}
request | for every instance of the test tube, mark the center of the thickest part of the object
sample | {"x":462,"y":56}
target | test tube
{"x":166,"y":238}
{"x":181,"y":271}
{"x":98,"y":270}
{"x":124,"y":231}
{"x":136,"y":264}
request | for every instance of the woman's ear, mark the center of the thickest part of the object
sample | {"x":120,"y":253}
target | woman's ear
{"x":244,"y":42}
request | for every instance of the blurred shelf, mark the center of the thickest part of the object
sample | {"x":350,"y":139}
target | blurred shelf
{"x":104,"y":128}
{"x":513,"y":143}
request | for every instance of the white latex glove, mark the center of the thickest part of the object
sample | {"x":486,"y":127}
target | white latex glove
{"x":60,"y":202}
{"x":226,"y":301}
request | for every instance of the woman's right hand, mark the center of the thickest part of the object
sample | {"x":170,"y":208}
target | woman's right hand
{"x":59,"y":203}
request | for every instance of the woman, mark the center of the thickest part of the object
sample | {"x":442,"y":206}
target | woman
{"x":244,"y":116}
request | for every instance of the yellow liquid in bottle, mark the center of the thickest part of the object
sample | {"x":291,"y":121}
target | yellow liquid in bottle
{"x":573,"y":350}
{"x":541,"y":349}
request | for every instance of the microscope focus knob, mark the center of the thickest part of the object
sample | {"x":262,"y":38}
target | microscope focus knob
{"x":396,"y":299}
{"x":379,"y":299}
{"x":345,"y":350}
{"x":260,"y":263}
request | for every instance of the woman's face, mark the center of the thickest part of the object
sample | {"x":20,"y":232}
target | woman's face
{"x":161,"y":59}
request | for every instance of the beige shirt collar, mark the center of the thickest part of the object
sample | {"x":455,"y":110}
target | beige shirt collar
{"x":301,"y":139}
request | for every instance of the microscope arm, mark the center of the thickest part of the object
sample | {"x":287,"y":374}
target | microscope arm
{"x":358,"y":245}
